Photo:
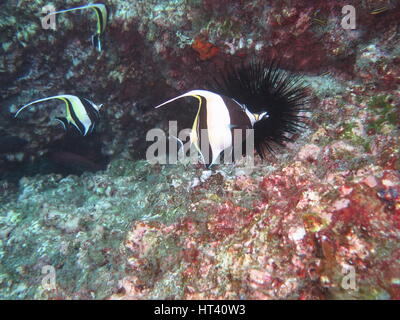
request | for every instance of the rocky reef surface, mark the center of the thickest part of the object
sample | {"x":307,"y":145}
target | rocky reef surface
{"x":310,"y":221}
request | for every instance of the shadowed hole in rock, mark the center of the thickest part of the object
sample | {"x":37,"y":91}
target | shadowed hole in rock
{"x":72,"y":154}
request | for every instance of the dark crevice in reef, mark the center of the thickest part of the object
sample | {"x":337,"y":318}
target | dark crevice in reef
{"x":72,"y":154}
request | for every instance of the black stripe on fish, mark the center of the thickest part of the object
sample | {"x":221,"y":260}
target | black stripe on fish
{"x":96,"y":41}
{"x":92,"y":112}
{"x":203,"y":125}
{"x":239,"y":120}
{"x":100,"y":18}
{"x":74,"y":117}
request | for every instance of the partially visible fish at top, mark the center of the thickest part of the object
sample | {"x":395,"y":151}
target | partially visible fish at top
{"x":101,"y":12}
{"x":80,"y":112}
{"x":379,"y":10}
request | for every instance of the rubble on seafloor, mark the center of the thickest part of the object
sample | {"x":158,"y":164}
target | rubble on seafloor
{"x":318,"y":220}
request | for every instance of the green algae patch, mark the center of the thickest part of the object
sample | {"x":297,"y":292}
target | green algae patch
{"x":385,"y":114}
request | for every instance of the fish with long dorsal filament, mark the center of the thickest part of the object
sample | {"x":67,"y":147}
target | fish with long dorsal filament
{"x":102,"y":16}
{"x":80,"y":112}
{"x":218,"y":115}
{"x":257,"y":96}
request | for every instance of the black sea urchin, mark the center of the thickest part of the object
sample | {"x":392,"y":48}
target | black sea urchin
{"x":265,"y":89}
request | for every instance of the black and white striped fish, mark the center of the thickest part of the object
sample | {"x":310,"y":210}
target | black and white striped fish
{"x":257,"y":96}
{"x":218,"y":115}
{"x":80,"y":112}
{"x":101,"y":13}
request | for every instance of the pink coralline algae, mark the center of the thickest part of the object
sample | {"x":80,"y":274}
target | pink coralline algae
{"x":294,"y":241}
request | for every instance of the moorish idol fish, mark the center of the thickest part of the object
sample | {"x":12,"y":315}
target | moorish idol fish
{"x":257,"y":96}
{"x":101,"y":12}
{"x":219,"y":115}
{"x":80,"y":112}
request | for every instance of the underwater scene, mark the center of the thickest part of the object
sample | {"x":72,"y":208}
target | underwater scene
{"x":200,"y":149}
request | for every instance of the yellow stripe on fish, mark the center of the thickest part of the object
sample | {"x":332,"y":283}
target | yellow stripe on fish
{"x":101,"y":14}
{"x":80,"y":112}
{"x":219,"y":117}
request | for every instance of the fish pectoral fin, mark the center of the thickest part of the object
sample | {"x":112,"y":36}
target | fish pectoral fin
{"x":177,"y":139}
{"x":63,"y":121}
{"x":182,"y":147}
